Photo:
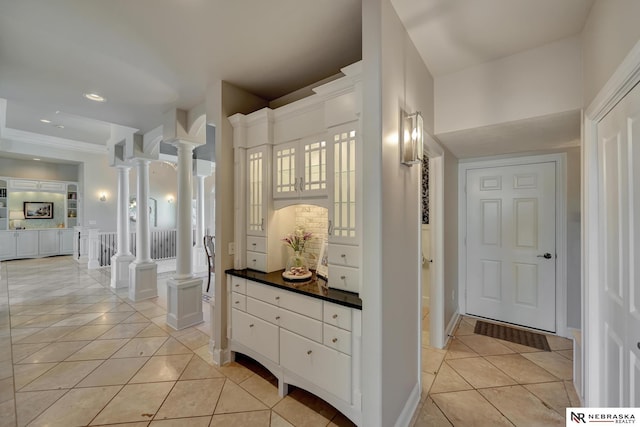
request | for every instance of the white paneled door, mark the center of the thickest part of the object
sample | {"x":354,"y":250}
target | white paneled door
{"x":511,"y":250}
{"x":619,"y":284}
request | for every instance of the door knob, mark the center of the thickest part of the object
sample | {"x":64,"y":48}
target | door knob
{"x":547,"y":255}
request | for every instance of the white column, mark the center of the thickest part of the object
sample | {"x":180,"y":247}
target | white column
{"x":184,"y":292}
{"x":143,"y":272}
{"x":199,"y":256}
{"x":123,"y":257}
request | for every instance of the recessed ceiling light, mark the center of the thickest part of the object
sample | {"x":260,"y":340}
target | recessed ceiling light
{"x":36,"y":159}
{"x":60,"y":126}
{"x":95,"y":97}
{"x":45,"y":121}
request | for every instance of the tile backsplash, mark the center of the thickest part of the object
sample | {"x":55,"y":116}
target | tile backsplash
{"x":316,"y":220}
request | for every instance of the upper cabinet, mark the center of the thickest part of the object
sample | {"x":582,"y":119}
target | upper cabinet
{"x":306,"y":152}
{"x":300,"y":168}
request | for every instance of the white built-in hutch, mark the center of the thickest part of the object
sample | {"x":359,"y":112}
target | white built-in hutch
{"x":37,"y":237}
{"x":306,"y":152}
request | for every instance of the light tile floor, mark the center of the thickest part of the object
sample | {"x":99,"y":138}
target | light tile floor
{"x":482,"y":381}
{"x":74,"y":353}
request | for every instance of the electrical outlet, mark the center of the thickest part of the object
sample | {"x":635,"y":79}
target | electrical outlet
{"x":232,"y":248}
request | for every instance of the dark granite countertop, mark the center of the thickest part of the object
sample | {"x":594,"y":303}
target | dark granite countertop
{"x":314,"y":287}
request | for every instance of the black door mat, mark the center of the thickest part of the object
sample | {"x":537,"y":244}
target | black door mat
{"x":518,"y":336}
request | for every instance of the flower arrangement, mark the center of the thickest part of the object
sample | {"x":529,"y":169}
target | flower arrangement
{"x":297,"y":240}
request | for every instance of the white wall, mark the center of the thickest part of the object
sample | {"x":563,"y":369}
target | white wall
{"x":451,"y":236}
{"x":537,"y":82}
{"x":393,"y":69}
{"x":30,"y":169}
{"x":610,"y":32}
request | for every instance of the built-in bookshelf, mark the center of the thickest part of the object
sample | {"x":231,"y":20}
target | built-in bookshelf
{"x":4,"y":210}
{"x":72,"y":205}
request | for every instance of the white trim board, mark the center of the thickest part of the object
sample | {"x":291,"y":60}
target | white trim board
{"x":561,"y":227}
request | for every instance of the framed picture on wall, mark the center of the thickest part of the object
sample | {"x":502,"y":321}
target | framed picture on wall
{"x":38,"y":210}
{"x":322,"y":269}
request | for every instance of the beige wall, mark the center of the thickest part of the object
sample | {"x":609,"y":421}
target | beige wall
{"x":610,"y":32}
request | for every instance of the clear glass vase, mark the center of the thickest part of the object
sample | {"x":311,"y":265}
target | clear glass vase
{"x":297,"y":266}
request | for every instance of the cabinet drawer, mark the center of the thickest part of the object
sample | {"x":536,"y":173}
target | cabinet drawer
{"x":257,"y":244}
{"x":264,"y":293}
{"x":301,"y":325}
{"x":264,"y":311}
{"x":238,"y":285}
{"x":345,"y":278}
{"x":292,"y":301}
{"x":308,"y":306}
{"x":258,"y":335}
{"x":238,"y":301}
{"x":344,"y":255}
{"x":337,"y":315}
{"x":337,"y":338}
{"x":323,"y":366}
{"x":257,"y":261}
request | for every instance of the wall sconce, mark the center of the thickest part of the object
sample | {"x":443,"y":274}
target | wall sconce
{"x":411,"y":138}
{"x":170,"y":199}
{"x":16,"y":217}
{"x":103,"y":197}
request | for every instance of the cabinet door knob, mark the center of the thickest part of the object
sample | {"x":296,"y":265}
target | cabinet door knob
{"x":277,"y":317}
{"x":237,"y":302}
{"x":237,"y":285}
{"x":251,"y":325}
{"x":343,"y":277}
{"x":335,"y":316}
{"x":343,"y":255}
{"x":253,"y":244}
{"x":254,"y":260}
{"x":309,"y":352}
{"x":335,"y":340}
{"x":277,"y":298}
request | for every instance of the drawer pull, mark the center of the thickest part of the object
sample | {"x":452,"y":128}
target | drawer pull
{"x":251,"y":325}
{"x":253,"y":244}
{"x":343,"y":255}
{"x":237,"y":302}
{"x":343,"y":277}
{"x":277,"y":298}
{"x":255,"y":260}
{"x":335,"y":316}
{"x":277,"y":317}
{"x":335,"y":340}
{"x":309,"y":352}
{"x":237,"y":285}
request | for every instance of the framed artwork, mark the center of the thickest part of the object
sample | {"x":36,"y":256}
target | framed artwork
{"x":38,"y":210}
{"x":322,"y":269}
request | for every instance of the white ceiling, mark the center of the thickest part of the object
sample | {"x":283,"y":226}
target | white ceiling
{"x":148,"y":56}
{"x":452,"y":35}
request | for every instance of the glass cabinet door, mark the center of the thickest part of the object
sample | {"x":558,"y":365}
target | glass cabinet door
{"x":285,"y":180}
{"x":343,"y":225}
{"x":256,"y":200}
{"x":314,"y":160}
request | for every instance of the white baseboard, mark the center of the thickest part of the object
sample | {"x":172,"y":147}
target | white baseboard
{"x":451,"y":327}
{"x":410,"y":407}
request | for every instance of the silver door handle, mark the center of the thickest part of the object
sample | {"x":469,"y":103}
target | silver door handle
{"x":546,"y":255}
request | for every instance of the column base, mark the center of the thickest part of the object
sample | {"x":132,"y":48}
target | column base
{"x":184,"y":303}
{"x":120,"y":270}
{"x":143,"y":280}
